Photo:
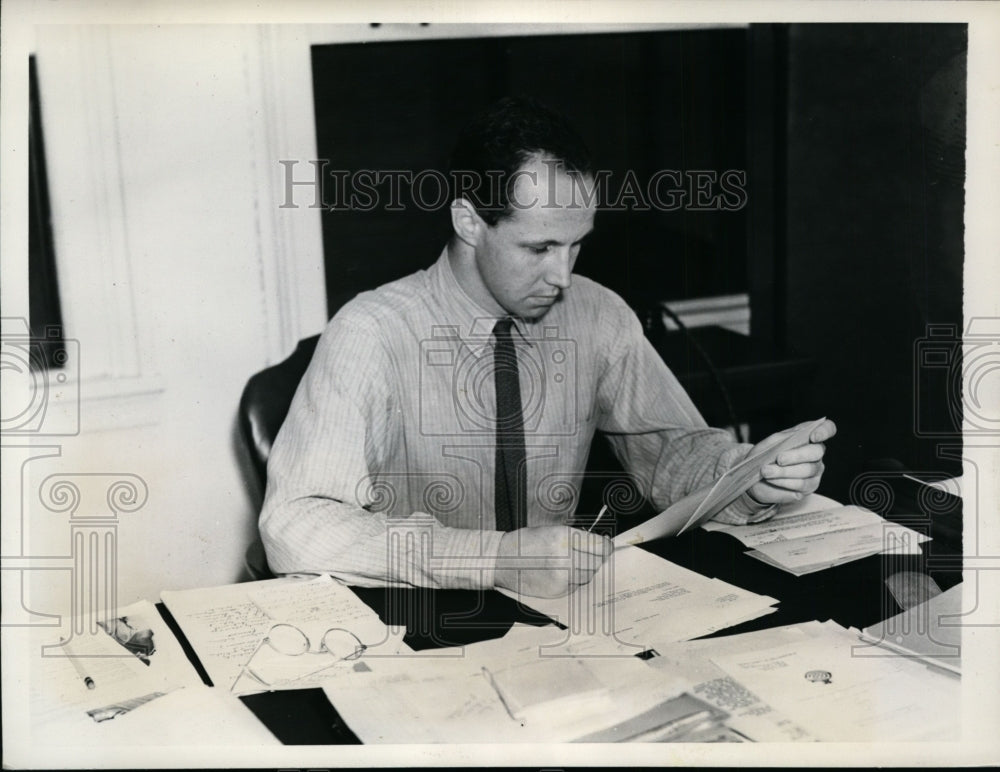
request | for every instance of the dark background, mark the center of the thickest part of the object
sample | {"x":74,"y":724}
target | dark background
{"x":642,"y":102}
{"x":851,"y":242}
{"x":872,"y":224}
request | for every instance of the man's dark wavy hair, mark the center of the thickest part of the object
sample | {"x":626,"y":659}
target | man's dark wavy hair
{"x":501,"y":140}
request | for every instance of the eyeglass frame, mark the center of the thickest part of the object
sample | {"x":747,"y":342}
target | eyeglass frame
{"x":362,"y":647}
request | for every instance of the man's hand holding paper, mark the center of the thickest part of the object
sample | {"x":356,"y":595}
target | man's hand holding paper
{"x":796,"y":472}
{"x":794,"y":463}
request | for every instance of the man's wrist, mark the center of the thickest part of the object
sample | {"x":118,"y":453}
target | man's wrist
{"x":757,"y":510}
{"x":745,"y":509}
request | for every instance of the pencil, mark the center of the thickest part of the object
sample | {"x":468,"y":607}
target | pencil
{"x":599,"y":516}
{"x":500,"y":694}
{"x":87,"y":680}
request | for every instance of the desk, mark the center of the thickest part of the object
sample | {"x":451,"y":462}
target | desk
{"x":852,"y":594}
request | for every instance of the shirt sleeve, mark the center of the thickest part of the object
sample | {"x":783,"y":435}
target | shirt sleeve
{"x":320,"y":512}
{"x":655,"y":429}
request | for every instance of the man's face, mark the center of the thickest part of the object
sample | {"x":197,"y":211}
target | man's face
{"x":525,"y":261}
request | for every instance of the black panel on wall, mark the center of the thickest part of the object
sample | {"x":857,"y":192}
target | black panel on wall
{"x":48,"y":351}
{"x":643,"y":101}
{"x":875,"y":174}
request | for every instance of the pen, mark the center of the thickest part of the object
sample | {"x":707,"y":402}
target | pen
{"x":87,"y":680}
{"x":599,"y":516}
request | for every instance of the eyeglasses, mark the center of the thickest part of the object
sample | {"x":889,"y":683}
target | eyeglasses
{"x":290,"y":641}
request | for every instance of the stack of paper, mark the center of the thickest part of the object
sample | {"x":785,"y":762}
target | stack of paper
{"x":839,"y":696}
{"x":817,"y":533}
{"x":749,"y":715}
{"x":642,"y":600}
{"x":543,"y":687}
{"x":430,"y":696}
{"x":930,"y":632}
{"x":228,"y":626}
{"x":520,"y":688}
{"x":682,"y":719}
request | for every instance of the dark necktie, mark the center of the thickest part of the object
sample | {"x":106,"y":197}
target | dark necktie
{"x":511,"y":495}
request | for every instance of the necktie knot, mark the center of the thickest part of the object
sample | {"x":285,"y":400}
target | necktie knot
{"x":502,"y":328}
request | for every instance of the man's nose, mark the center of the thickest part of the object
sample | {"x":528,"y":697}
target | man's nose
{"x":560,"y":269}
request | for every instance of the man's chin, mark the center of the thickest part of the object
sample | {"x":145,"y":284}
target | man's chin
{"x":533,"y":311}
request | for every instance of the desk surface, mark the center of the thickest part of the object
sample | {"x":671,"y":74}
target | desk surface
{"x":853,"y":594}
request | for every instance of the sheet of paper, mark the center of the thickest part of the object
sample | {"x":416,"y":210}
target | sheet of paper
{"x":317,"y":605}
{"x":222,"y":624}
{"x":930,"y":631}
{"x":195,"y":715}
{"x":814,"y":502}
{"x":418,"y":699}
{"x":532,"y":690}
{"x":811,"y":553}
{"x":742,"y":476}
{"x":639,"y":598}
{"x":837,"y":696}
{"x":749,"y":715}
{"x":321,"y":602}
{"x":700,"y":506}
{"x":141,"y":622}
{"x":226,"y":626}
{"x":786,"y":527}
{"x":669,"y":522}
{"x":58,"y":690}
{"x":123,"y":683}
{"x":953,"y":485}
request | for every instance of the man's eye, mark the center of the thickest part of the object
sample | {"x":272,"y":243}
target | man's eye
{"x":538,"y":250}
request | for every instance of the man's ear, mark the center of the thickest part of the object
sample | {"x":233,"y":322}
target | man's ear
{"x":466,"y":222}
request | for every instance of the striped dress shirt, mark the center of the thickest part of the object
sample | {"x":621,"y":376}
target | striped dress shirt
{"x":383,"y":472}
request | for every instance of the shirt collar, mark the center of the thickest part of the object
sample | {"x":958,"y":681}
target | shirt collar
{"x":464,"y":318}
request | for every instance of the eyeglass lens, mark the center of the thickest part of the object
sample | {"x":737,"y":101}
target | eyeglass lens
{"x":291,"y":641}
{"x":342,"y":644}
{"x":287,"y":639}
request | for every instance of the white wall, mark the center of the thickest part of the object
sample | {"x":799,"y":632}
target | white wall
{"x":180,"y":278}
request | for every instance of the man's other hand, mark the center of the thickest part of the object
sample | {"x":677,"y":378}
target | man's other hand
{"x":796,"y":472}
{"x":549,"y":561}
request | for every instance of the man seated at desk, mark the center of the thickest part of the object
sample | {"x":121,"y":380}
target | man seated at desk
{"x":444,"y":422}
